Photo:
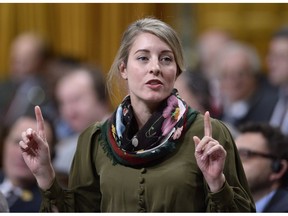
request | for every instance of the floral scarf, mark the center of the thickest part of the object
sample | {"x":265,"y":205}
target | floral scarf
{"x":128,"y":145}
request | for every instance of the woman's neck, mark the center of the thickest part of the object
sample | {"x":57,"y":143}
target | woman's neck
{"x":142,"y":117}
{"x":142,"y":112}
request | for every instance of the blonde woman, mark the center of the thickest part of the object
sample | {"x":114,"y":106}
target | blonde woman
{"x":155,"y":154}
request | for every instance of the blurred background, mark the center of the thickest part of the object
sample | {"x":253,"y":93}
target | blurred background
{"x":92,"y":31}
{"x":57,"y":55}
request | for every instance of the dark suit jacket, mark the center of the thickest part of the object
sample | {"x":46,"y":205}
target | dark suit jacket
{"x":261,"y":105}
{"x":279,"y":202}
{"x":26,"y":205}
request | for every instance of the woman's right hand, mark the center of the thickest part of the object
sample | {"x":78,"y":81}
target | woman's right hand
{"x":36,"y":153}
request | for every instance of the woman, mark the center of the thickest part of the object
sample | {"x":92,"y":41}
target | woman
{"x":144,"y":157}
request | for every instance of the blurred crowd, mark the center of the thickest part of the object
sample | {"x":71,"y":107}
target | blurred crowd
{"x":229,"y":81}
{"x":72,"y":96}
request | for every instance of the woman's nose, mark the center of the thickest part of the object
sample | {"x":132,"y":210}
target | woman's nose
{"x":155,"y":68}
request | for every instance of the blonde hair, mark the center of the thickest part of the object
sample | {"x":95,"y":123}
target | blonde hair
{"x":153,"y":26}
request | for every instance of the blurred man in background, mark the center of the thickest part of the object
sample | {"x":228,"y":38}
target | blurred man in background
{"x":17,"y":183}
{"x":81,"y":99}
{"x":209,"y":45}
{"x":246,"y":94}
{"x":277,"y":62}
{"x":24,"y":88}
{"x":193,"y":87}
{"x":263,"y":150}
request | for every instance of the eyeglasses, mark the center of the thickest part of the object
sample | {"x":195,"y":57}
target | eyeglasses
{"x":246,"y":154}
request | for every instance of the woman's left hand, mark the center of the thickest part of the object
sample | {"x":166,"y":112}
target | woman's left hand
{"x":210,"y":157}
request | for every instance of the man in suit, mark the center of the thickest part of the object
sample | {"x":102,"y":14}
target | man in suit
{"x":277,"y":65}
{"x":246,"y":93}
{"x":17,"y":183}
{"x":263,"y":150}
{"x":79,"y":107}
{"x":25,"y":85}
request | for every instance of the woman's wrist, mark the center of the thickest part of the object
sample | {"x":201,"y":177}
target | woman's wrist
{"x":217,"y":184}
{"x":46,"y":179}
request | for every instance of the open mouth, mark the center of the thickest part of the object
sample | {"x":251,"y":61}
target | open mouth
{"x":154,"y":82}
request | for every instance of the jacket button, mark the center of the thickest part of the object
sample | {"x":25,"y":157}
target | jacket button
{"x":141,"y":180}
{"x":143,"y":170}
{"x":141,"y":202}
{"x":141,"y":191}
{"x":141,"y":210}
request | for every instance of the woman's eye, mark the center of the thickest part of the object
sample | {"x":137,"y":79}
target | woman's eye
{"x":166,"y":59}
{"x":142,"y":58}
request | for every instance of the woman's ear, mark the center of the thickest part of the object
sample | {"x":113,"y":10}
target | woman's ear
{"x":123,"y":71}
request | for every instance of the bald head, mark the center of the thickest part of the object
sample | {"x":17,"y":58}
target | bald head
{"x":27,"y":54}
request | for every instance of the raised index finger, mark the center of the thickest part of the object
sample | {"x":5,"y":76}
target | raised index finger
{"x":40,"y":122}
{"x":207,"y":124}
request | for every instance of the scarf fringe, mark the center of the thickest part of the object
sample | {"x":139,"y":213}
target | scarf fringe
{"x":104,"y":143}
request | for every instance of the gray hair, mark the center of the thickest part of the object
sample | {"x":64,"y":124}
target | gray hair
{"x":250,"y":52}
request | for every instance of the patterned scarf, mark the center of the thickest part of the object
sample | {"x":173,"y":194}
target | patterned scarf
{"x":127,"y":145}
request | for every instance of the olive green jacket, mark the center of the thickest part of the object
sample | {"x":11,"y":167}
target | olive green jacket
{"x":174,"y":184}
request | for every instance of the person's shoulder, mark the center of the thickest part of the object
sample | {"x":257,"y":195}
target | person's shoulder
{"x":88,"y":137}
{"x":278,"y":203}
{"x":92,"y":129}
{"x":282,"y":192}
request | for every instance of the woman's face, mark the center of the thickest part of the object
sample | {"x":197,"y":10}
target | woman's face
{"x":150,"y":71}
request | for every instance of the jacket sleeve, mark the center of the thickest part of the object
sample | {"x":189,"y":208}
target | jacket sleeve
{"x":83,"y":193}
{"x":235,"y":195}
